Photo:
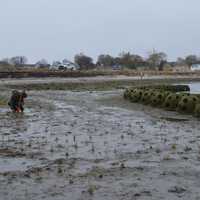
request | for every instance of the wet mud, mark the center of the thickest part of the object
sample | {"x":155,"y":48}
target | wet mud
{"x":95,"y":145}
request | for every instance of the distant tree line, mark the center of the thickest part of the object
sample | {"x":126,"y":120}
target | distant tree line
{"x":125,"y":59}
{"x":155,"y":60}
{"x":15,"y":61}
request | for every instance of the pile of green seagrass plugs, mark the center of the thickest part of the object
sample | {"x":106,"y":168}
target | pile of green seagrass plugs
{"x":170,"y":97}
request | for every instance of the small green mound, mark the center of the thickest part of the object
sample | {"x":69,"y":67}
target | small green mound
{"x":187,"y":104}
{"x":169,"y":97}
{"x":171,"y":101}
{"x":147,"y":95}
{"x":183,"y":94}
{"x":3,"y":101}
{"x":167,"y":93}
{"x":136,"y":95}
{"x":158,"y":98}
{"x":197,"y":110}
{"x":128,"y":92}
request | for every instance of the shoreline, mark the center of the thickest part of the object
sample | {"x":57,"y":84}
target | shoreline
{"x":97,"y":79}
{"x":91,"y":83}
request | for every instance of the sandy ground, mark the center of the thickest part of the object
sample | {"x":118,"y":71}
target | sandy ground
{"x":94,"y":145}
{"x":91,"y":79}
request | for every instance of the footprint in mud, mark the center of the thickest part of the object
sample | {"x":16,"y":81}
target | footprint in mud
{"x":177,"y":190}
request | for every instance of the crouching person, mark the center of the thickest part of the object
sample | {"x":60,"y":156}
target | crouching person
{"x":16,"y":101}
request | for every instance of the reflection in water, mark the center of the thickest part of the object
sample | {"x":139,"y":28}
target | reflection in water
{"x":194,"y":87}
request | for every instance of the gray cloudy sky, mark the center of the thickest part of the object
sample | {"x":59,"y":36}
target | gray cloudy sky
{"x":57,"y":29}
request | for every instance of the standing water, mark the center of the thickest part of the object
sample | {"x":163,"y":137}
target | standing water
{"x":194,"y":87}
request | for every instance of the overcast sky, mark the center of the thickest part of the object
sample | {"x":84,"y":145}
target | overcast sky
{"x":57,"y":29}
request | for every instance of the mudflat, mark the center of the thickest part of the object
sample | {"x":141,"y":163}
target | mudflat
{"x":95,"y":145}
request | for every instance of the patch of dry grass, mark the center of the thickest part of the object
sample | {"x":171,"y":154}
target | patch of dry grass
{"x":3,"y":101}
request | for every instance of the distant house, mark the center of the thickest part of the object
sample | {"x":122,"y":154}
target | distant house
{"x":168,"y":67}
{"x":195,"y":67}
{"x":42,"y":64}
{"x":181,"y":68}
{"x":173,"y":64}
{"x":108,"y":68}
{"x":143,"y":68}
{"x":31,"y":66}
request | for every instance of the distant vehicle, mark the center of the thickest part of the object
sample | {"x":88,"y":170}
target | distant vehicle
{"x":116,"y":67}
{"x":195,"y":67}
{"x":64,"y":66}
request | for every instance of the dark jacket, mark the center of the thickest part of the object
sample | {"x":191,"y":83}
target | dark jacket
{"x":16,"y":101}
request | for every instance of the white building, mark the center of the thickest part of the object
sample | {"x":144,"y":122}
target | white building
{"x":195,"y":67}
{"x":181,"y":68}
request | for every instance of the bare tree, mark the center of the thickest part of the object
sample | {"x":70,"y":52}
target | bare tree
{"x":5,"y":61}
{"x":131,"y":61}
{"x":18,"y":61}
{"x":83,"y":61}
{"x":106,"y":60}
{"x":180,"y":61}
{"x":155,"y":58}
{"x":191,"y":59}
